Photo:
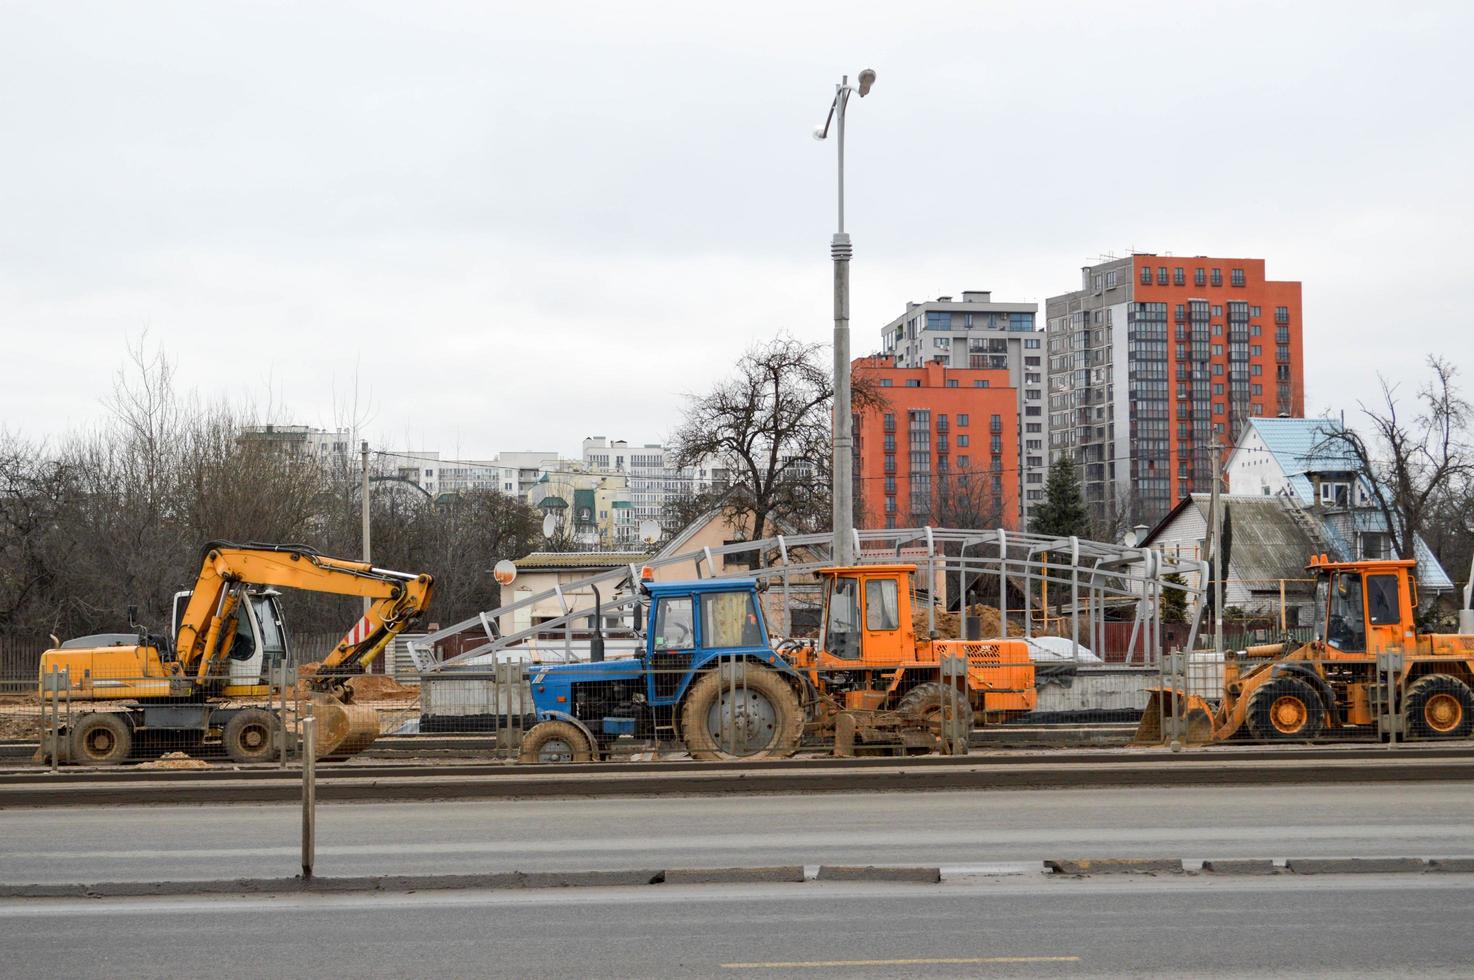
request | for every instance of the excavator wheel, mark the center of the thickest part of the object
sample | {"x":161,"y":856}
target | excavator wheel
{"x":250,"y":735}
{"x":102,"y":739}
{"x":552,"y":742}
{"x":749,"y":713}
{"x":1438,"y":706}
{"x":1286,"y":708}
{"x":927,"y":701}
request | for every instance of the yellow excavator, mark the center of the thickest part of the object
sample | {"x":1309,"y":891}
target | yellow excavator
{"x":207,"y":678}
{"x":1335,"y":685}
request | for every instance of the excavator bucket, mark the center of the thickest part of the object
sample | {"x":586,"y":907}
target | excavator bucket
{"x":1163,"y":705}
{"x":343,"y":729}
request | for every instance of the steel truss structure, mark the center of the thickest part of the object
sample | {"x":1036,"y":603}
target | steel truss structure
{"x":1095,"y":576}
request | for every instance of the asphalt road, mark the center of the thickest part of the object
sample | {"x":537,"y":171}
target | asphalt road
{"x":1350,"y":926}
{"x":951,"y":829}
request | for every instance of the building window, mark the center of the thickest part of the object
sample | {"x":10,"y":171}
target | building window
{"x":1178,"y":277}
{"x":961,"y":440}
{"x":913,"y":382}
{"x":1032,"y":343}
{"x":1146,"y":275}
{"x":885,"y":382}
{"x":1217,"y":277}
{"x":1217,"y":350}
{"x":980,"y":383}
{"x":1218,"y":408}
{"x":938,"y":320}
{"x":962,"y":420}
{"x":1218,"y":388}
{"x":995,"y":424}
{"x":1256,"y":369}
{"x":1200,"y":278}
{"x":1281,"y":314}
{"x":951,"y":382}
{"x":1162,"y":275}
{"x":1256,"y":350}
{"x":1236,"y":277}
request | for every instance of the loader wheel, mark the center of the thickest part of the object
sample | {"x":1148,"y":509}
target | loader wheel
{"x":102,"y":739}
{"x":1286,"y":707}
{"x":749,"y":713}
{"x":1438,"y":706}
{"x":552,"y":742}
{"x":250,"y":736}
{"x":926,"y":701}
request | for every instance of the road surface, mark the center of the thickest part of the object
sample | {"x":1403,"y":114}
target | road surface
{"x":1364,"y":926}
{"x":951,"y":829}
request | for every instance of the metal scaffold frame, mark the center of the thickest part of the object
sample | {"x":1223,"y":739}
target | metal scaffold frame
{"x":1096,"y":575}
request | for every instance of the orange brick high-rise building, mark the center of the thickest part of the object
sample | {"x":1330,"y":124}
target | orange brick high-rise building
{"x":1156,"y":359}
{"x":943,"y":450}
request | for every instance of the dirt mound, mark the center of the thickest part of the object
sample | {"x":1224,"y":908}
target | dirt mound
{"x":982,"y":622}
{"x":379,"y":687}
{"x":25,"y":723}
{"x":175,"y":760}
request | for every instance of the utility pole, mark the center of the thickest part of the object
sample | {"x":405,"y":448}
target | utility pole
{"x":367,"y":602}
{"x":840,"y":250}
{"x":1215,"y":514}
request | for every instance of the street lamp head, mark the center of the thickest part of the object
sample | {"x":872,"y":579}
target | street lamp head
{"x":867,"y":79}
{"x":819,"y":132}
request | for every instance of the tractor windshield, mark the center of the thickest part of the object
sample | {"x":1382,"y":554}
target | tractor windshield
{"x":842,"y":611}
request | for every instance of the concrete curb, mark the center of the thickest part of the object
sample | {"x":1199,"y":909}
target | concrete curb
{"x":833,"y":872}
{"x":738,"y":876}
{"x":508,"y":783}
{"x":1248,"y":866}
{"x":1109,"y":866}
{"x":1459,"y":865}
{"x":1328,"y":866}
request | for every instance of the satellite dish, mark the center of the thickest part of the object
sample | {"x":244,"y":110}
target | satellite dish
{"x":649,"y":531}
{"x":505,"y":572}
{"x":550,"y":524}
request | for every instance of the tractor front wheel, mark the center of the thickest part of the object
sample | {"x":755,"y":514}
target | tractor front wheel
{"x":554,"y":742}
{"x":937,"y":705}
{"x":1438,"y":706}
{"x":1286,"y":708}
{"x":741,"y":711}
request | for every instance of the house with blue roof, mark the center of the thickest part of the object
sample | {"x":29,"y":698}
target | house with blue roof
{"x":1299,"y":460}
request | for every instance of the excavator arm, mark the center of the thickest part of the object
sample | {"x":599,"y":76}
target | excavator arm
{"x":397,"y":598}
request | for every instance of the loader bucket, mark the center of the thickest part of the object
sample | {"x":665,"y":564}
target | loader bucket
{"x":343,"y":729}
{"x":1164,"y":703}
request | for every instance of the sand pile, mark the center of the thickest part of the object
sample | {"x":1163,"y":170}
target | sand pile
{"x":982,"y":622}
{"x":380,"y":687}
{"x":175,"y":760}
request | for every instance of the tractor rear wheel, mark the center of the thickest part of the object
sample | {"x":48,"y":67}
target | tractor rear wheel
{"x":250,"y":736}
{"x":1438,"y":706}
{"x":1286,"y":708}
{"x":741,"y":712}
{"x":102,"y":738}
{"x":928,"y":701}
{"x":553,"y":742}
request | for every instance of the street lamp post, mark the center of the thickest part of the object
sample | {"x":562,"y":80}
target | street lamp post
{"x":840,"y":251}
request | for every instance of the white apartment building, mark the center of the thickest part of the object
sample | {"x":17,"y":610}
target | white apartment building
{"x":654,"y":478}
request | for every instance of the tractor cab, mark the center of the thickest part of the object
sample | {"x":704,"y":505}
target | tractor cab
{"x":1365,"y":607}
{"x":867,"y":615}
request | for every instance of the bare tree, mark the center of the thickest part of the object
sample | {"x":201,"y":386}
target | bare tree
{"x":1409,"y":459}
{"x":768,"y":427}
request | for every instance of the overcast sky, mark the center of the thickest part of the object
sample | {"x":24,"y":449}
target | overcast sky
{"x":516,"y":225}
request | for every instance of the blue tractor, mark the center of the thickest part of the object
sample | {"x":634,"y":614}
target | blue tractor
{"x":706,"y":676}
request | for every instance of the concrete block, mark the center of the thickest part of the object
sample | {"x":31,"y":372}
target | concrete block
{"x":591,"y":879}
{"x":1241,"y":867}
{"x":1340,"y":866}
{"x":1115,"y":866}
{"x":1461,"y":865}
{"x":833,"y":872}
{"x":715,"y":876}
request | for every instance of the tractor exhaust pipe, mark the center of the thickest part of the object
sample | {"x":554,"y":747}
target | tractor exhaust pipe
{"x":1466,"y":615}
{"x":596,"y":645}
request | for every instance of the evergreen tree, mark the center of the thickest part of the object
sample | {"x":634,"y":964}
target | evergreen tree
{"x":1062,"y":513}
